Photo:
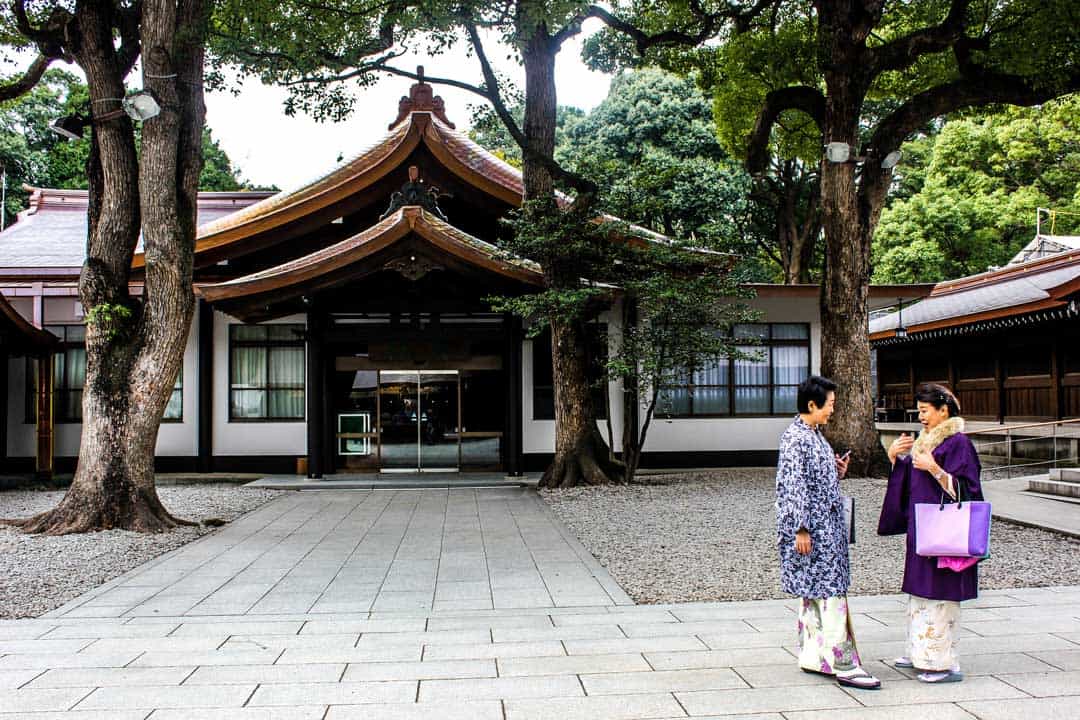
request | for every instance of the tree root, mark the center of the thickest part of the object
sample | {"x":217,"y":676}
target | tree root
{"x":587,"y":463}
{"x":70,"y":518}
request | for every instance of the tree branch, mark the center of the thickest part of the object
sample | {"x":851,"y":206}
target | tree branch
{"x":979,"y":89}
{"x":130,"y":40}
{"x":903,"y":51}
{"x":29,"y":79}
{"x":491,"y":83}
{"x":710,"y":24}
{"x":798,"y":97}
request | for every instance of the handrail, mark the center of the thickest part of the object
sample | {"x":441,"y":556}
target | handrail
{"x":1029,"y":425}
{"x":1008,"y":438}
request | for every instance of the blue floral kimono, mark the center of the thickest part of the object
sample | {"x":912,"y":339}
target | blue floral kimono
{"x":808,"y":496}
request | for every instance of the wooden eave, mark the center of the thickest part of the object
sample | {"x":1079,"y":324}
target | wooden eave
{"x":284,"y":279}
{"x":19,"y":336}
{"x":459,"y":155}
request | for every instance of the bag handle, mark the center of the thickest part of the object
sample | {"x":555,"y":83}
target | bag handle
{"x":959,"y":494}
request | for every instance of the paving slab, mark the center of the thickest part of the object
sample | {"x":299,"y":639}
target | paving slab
{"x":1054,"y":708}
{"x":479,"y":604}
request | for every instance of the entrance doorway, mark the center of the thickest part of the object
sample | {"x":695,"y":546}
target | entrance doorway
{"x":437,"y":420}
{"x":418,"y":414}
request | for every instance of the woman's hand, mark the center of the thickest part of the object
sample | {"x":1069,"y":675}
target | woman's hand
{"x":925,"y":461}
{"x":802,"y":542}
{"x":900,"y":446}
{"x":842,"y":462}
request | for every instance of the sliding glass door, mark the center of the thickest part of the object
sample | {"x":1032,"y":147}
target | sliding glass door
{"x":419,"y":418}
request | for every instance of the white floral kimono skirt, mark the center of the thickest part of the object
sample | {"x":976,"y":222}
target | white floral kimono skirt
{"x":826,"y":640}
{"x":933,"y":629}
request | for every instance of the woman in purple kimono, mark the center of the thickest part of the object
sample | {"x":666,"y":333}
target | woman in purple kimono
{"x":812,"y":537}
{"x":942,"y":460}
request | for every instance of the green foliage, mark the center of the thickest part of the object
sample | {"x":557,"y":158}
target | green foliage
{"x":974,"y":188}
{"x":490,"y":132}
{"x":112,"y":319}
{"x":651,"y":148}
{"x":30,"y":152}
{"x":36,"y":156}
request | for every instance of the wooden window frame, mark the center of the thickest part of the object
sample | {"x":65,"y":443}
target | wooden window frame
{"x":766,"y":345}
{"x":268,"y":344}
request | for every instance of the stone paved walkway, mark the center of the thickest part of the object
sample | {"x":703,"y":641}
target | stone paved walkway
{"x":477,"y":604}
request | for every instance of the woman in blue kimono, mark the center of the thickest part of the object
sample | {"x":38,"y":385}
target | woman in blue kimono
{"x":812,"y":537}
{"x":942,"y":460}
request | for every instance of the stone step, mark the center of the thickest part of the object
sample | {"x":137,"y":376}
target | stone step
{"x":1055,"y":487}
{"x":1071,"y":475}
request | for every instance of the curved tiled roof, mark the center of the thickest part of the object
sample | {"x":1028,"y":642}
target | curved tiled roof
{"x":1014,"y":290}
{"x":405,"y":221}
{"x":50,"y":235}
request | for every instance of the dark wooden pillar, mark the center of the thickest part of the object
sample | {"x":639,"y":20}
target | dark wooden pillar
{"x":205,"y":382}
{"x":515,"y":460}
{"x":1055,"y":378}
{"x":316,"y":398}
{"x":999,"y":382}
{"x":43,"y":465}
{"x":4,"y":363}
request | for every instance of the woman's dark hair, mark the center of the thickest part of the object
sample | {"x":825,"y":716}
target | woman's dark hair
{"x":938,"y":396}
{"x":814,"y":388}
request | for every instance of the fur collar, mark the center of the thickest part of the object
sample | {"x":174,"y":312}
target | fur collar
{"x":929,"y":440}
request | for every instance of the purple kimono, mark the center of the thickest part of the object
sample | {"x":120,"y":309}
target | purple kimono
{"x":907,"y":486}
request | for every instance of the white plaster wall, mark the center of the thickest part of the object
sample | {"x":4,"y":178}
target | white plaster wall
{"x":248,"y":438}
{"x":539,"y":435}
{"x":726,"y":434}
{"x":173,"y":438}
{"x":181,"y":438}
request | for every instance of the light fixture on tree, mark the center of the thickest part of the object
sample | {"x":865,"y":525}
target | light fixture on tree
{"x":140,"y":106}
{"x":901,"y":331}
{"x":837,"y":152}
{"x":891,"y":160}
{"x":69,"y":126}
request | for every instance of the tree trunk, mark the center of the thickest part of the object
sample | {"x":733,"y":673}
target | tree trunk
{"x":135,"y":348}
{"x":848,"y":223}
{"x":581,"y":455}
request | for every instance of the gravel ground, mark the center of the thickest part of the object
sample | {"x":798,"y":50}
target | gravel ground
{"x":711,"y":536}
{"x":39,"y":573}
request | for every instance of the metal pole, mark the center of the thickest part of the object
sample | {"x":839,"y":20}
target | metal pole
{"x":3,"y":197}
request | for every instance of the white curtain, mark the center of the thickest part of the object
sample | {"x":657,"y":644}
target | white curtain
{"x":175,"y":409}
{"x":286,"y":382}
{"x":751,"y":381}
{"x":791,"y":365}
{"x":248,"y":382}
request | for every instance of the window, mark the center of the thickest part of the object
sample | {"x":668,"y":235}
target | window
{"x":544,"y":377}
{"x":266,"y":372}
{"x":69,"y":375}
{"x":766,"y":383}
{"x":174,"y":411}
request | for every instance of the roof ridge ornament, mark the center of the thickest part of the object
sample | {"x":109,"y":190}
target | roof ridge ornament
{"x":416,"y":193}
{"x":421,"y":98}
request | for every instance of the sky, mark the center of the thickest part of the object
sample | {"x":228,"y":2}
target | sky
{"x":271,"y":148}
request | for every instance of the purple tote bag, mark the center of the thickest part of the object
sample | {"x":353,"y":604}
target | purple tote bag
{"x":960,"y":529}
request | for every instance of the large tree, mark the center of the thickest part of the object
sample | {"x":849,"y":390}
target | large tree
{"x":971,"y":191}
{"x":881,"y":72}
{"x":134,"y":342}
